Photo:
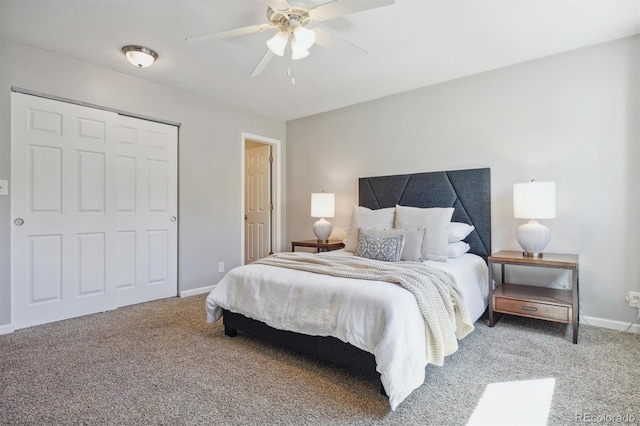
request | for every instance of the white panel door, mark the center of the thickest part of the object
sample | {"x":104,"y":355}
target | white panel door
{"x":94,"y":205}
{"x":63,"y":159}
{"x":147,"y":210}
{"x":257,"y":203}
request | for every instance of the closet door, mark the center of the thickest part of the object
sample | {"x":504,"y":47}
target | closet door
{"x":147,"y":194}
{"x":92,"y":210}
{"x":64,"y":224}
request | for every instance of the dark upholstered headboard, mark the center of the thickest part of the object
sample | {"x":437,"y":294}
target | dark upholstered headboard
{"x":468,"y":191}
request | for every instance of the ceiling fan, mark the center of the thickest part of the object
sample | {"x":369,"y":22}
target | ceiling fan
{"x":290,"y":18}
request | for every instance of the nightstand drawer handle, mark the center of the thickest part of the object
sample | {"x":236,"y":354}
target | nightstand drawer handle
{"x":529,"y":308}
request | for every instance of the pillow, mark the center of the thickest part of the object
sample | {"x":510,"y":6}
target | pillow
{"x":386,"y":249}
{"x":412,"y":249}
{"x":436,"y":222}
{"x":362,"y":216}
{"x":457,"y":249}
{"x":458,"y":231}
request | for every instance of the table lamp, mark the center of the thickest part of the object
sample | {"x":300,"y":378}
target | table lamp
{"x":534,"y":200}
{"x":322,"y":205}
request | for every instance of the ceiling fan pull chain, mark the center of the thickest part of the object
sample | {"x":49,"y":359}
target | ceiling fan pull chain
{"x":290,"y":61}
{"x":290,"y":74}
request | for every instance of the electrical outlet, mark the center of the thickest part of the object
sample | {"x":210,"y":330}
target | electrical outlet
{"x":634,"y":299}
{"x":220,"y":266}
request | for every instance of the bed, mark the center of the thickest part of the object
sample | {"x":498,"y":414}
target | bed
{"x":467,"y":191}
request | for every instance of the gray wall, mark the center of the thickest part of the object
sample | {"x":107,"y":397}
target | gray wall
{"x":570,"y":118}
{"x":209,"y":153}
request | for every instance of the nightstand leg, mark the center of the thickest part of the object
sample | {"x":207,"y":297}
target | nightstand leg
{"x":491,"y":323}
{"x":494,"y":317}
{"x":576,"y":304}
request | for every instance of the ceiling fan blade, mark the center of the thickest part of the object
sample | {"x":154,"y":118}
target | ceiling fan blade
{"x":230,"y":33}
{"x":337,"y":44}
{"x":337,"y":8}
{"x":281,"y":6}
{"x":263,"y":63}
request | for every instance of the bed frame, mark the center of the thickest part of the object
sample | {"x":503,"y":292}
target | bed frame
{"x":468,"y":191}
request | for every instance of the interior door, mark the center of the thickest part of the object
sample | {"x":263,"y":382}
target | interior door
{"x":94,"y":205}
{"x":63,"y":158}
{"x":257,"y":203}
{"x":147,"y":204}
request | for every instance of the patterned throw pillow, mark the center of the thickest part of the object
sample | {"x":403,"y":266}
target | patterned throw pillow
{"x":387,"y":249}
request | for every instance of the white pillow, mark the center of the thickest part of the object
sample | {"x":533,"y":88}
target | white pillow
{"x":413,"y":238}
{"x":457,"y":249}
{"x":362,"y":216}
{"x":436,"y":222}
{"x":458,"y":231}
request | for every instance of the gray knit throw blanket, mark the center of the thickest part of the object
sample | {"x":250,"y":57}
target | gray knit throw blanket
{"x":440,"y":302}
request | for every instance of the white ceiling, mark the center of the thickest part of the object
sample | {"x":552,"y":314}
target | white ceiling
{"x":411,"y":44}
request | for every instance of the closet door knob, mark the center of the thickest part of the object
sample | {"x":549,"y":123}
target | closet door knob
{"x":19,"y":221}
{"x":173,"y":219}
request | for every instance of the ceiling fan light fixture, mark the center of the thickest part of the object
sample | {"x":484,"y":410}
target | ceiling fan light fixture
{"x":297,"y":51}
{"x":299,"y":54}
{"x":278,"y":42}
{"x":140,"y":56}
{"x":304,"y":37}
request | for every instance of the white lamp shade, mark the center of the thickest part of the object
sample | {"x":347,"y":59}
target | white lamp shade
{"x":297,"y":52}
{"x":534,"y":200}
{"x":278,"y":42}
{"x":322,"y":204}
{"x":304,"y":37}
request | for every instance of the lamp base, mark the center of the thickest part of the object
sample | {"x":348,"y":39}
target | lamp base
{"x":534,"y":255}
{"x":322,"y":229}
{"x":533,"y":237}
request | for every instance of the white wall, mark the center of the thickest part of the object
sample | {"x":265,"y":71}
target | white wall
{"x":571,"y":118}
{"x":209,"y":153}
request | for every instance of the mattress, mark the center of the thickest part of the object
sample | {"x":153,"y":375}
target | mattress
{"x":377,"y":317}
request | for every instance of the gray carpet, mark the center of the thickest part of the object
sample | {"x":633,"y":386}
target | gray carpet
{"x":161,"y":363}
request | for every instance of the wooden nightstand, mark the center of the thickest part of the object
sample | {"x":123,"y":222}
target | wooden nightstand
{"x":330,"y":246}
{"x":531,"y":301}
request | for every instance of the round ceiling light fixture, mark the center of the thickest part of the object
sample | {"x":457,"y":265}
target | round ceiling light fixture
{"x":140,"y":56}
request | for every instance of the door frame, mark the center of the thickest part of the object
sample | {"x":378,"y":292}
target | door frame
{"x":276,"y":188}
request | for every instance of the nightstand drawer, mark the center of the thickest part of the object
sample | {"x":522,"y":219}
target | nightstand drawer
{"x":532,"y":309}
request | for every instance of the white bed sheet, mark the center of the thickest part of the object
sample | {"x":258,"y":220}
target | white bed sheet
{"x":378,"y":317}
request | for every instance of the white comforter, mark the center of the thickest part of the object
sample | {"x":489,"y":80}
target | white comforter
{"x":377,"y":317}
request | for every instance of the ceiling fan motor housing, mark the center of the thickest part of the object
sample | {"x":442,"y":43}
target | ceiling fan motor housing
{"x":283,"y":20}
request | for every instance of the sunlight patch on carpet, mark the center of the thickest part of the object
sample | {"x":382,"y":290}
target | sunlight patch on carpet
{"x":525,"y":402}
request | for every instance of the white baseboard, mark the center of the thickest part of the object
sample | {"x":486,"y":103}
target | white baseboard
{"x":6,"y":329}
{"x":196,"y":291}
{"x":611,"y":324}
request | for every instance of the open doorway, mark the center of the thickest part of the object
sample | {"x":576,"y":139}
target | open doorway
{"x":261,"y":206}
